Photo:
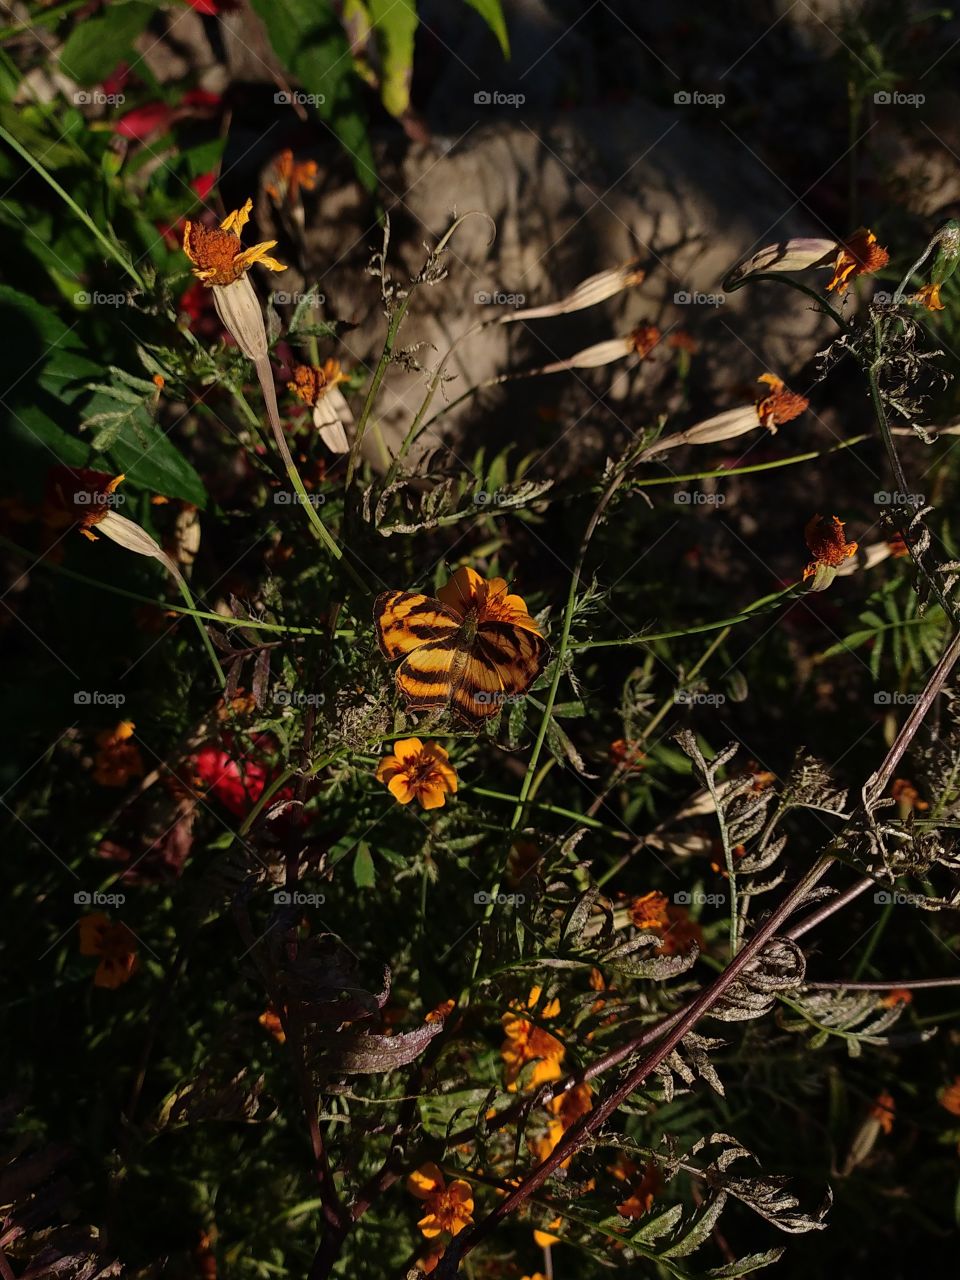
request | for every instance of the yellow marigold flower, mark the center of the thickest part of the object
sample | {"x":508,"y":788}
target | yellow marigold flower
{"x":114,"y":944}
{"x":215,"y":251}
{"x":649,"y":911}
{"x":929,"y":297}
{"x":950,"y":1097}
{"x":899,"y":995}
{"x":858,"y":256}
{"x":448,"y":1207}
{"x":526,"y":1042}
{"x":418,"y":769}
{"x":780,"y":404}
{"x":828,"y":546}
{"x":291,"y":175}
{"x":882,"y":1111}
{"x":117,"y":759}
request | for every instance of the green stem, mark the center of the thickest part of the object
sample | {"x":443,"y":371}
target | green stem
{"x":207,"y":643}
{"x":386,"y":355}
{"x":112,"y":249}
{"x":755,"y":610}
{"x":789,"y":281}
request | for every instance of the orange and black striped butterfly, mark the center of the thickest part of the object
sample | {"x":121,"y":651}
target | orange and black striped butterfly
{"x":472,"y":649}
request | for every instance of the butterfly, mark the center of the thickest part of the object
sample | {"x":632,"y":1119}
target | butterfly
{"x":472,"y":648}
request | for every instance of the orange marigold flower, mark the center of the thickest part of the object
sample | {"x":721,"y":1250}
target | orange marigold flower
{"x":117,"y":759}
{"x":645,"y":1185}
{"x":950,"y":1097}
{"x":907,"y":796}
{"x":570,"y":1105}
{"x":899,"y":995}
{"x":291,"y":175}
{"x":215,"y":251}
{"x":116,"y":946}
{"x":429,"y":1262}
{"x":418,"y":770}
{"x":312,"y":381}
{"x":898,"y":546}
{"x":441,"y":1012}
{"x":544,"y":1239}
{"x":858,"y":256}
{"x":681,"y":933}
{"x":929,"y":297}
{"x":883,"y":1110}
{"x":644,"y":338}
{"x":828,"y":546}
{"x":467,"y":592}
{"x":270,"y":1021}
{"x":526,"y":1042}
{"x":780,"y":404}
{"x":627,"y":756}
{"x":649,"y":911}
{"x":537,"y":1275}
{"x":449,"y":1207}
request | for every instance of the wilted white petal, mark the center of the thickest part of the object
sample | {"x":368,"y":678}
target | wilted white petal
{"x":593,"y":357}
{"x":329,"y":414}
{"x":788,"y":255}
{"x":723,"y":426}
{"x":239,"y":310}
{"x":587,"y":293}
{"x":127,"y":533}
{"x":866,"y":558}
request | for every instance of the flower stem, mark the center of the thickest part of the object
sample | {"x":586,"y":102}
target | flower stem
{"x":207,"y":643}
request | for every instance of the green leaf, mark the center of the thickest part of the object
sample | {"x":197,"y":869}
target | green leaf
{"x":145,"y":455}
{"x":395,"y":23}
{"x":311,"y":44}
{"x":364,"y":874}
{"x":491,"y":12}
{"x":96,"y":45}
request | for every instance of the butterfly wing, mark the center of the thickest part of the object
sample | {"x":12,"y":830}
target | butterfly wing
{"x":425,"y":677}
{"x":518,"y":654}
{"x":407,"y":620}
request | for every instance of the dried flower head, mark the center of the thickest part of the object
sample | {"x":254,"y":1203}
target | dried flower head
{"x":858,"y":256}
{"x":825,"y":539}
{"x":780,"y":404}
{"x":117,"y":759}
{"x":290,"y":175}
{"x":216,"y":254}
{"x":311,"y":382}
{"x":644,"y":338}
{"x":929,"y":296}
{"x":883,"y":1111}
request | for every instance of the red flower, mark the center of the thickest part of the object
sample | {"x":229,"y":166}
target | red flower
{"x":156,"y":117}
{"x":212,"y":7}
{"x":237,"y":777}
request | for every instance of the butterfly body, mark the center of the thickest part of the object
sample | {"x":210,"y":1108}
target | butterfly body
{"x":472,"y":649}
